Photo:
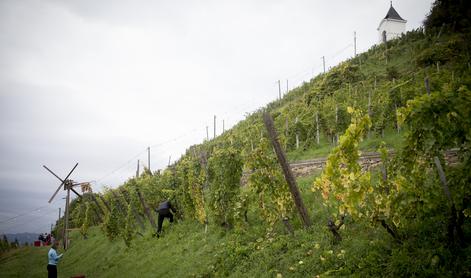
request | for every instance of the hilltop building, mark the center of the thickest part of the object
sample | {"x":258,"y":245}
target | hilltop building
{"x":392,"y":26}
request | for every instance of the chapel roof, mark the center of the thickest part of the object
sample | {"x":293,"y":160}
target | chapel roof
{"x":392,"y":14}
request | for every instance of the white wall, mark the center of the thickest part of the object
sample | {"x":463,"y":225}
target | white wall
{"x":394,"y":28}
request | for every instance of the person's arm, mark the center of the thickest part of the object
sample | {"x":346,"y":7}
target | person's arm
{"x":172,"y":207}
{"x":56,"y":257}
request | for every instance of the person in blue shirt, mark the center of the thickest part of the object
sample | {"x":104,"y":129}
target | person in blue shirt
{"x":53,"y":258}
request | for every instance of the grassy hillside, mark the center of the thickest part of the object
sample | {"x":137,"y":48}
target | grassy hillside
{"x":400,"y":219}
{"x":24,"y":262}
{"x":185,"y":250}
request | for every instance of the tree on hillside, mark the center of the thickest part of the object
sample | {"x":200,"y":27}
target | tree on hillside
{"x":453,"y":13}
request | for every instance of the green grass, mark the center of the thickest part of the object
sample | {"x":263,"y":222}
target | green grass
{"x":251,"y":250}
{"x":184,"y":250}
{"x":322,"y":150}
{"x":392,"y":138}
{"x":24,"y":262}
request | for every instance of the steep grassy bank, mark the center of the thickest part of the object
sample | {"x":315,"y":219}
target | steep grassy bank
{"x":185,"y":250}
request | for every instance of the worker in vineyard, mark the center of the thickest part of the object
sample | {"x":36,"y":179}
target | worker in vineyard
{"x":53,"y":258}
{"x":164,"y":210}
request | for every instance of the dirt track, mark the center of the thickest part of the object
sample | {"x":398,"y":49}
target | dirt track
{"x":367,"y":161}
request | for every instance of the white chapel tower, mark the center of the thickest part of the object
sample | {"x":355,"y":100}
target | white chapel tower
{"x":392,"y":26}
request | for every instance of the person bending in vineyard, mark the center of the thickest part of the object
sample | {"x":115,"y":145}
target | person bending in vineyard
{"x":53,"y":259}
{"x":165,"y":211}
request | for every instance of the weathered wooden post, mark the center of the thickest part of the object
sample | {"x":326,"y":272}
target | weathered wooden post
{"x":128,"y":200}
{"x":297,"y":133}
{"x":427,"y":85}
{"x":65,"y":235}
{"x":97,"y":204}
{"x":105,"y":202}
{"x":118,"y":203}
{"x":286,"y":169}
{"x":146,"y":208}
{"x":317,"y":127}
{"x":97,"y":213}
{"x":453,"y":222}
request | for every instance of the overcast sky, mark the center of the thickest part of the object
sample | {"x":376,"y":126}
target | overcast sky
{"x":96,"y":82}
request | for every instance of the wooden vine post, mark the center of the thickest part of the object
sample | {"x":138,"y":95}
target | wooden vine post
{"x":317,"y":127}
{"x":336,"y":140}
{"x":105,"y":202}
{"x":128,"y":200}
{"x":100,"y":209}
{"x":122,"y":208}
{"x":286,"y":132}
{"x":203,"y":157}
{"x":146,"y":208}
{"x":286,"y":169}
{"x":96,"y":211}
{"x":454,"y":224}
{"x":427,"y":85}
{"x":65,"y":232}
{"x":297,"y":133}
{"x":119,"y":205}
{"x":442,"y":176}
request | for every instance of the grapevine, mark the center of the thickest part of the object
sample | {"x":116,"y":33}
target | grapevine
{"x":267,"y":182}
{"x":343,"y":185}
{"x":86,"y":221}
{"x":225,"y":171}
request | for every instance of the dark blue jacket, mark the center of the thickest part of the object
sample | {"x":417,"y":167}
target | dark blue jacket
{"x":165,"y":207}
